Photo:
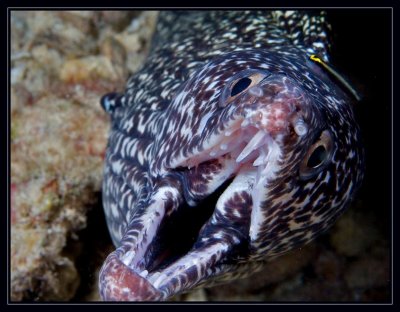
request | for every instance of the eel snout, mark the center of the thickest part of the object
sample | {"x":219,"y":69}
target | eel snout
{"x":117,"y":282}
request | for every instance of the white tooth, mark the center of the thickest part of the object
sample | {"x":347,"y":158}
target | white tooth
{"x":144,"y":273}
{"x":258,"y":161}
{"x":224,"y":146}
{"x":128,"y":257}
{"x":213,"y":153}
{"x":262,"y":159}
{"x":254,"y":143}
{"x":158,"y":281}
{"x":153,"y":277}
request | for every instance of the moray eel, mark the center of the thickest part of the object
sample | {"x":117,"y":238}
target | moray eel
{"x":232,"y":145}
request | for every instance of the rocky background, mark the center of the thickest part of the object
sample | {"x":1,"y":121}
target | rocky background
{"x":62,"y":62}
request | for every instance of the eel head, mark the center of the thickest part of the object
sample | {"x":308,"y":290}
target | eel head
{"x":256,"y":155}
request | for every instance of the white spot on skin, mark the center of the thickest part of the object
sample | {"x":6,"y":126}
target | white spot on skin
{"x":203,"y":121}
{"x":128,"y":125}
{"x":114,"y":210}
{"x":289,"y":13}
{"x":236,"y":213}
{"x":117,"y":167}
{"x":318,"y":44}
{"x":212,"y":85}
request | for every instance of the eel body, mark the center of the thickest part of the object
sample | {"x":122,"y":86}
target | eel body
{"x":229,"y":147}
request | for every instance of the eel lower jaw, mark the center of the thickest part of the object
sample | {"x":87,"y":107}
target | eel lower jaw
{"x":122,"y":282}
{"x":126,"y":278}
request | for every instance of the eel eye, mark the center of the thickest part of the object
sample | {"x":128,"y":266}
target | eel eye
{"x":240,"y":83}
{"x":318,"y":156}
{"x":110,"y":101}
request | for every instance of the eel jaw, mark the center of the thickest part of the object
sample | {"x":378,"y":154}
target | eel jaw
{"x":120,"y":282}
{"x":253,"y":142}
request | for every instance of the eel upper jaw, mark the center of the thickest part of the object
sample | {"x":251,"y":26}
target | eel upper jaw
{"x":256,"y":150}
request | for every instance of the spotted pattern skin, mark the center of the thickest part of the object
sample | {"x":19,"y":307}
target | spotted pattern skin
{"x":185,"y":130}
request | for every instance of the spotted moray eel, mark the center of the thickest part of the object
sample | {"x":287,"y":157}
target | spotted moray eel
{"x":228,"y":148}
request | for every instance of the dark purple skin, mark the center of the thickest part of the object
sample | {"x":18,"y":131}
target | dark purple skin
{"x":227,"y":149}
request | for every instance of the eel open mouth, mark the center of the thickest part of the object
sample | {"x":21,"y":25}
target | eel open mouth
{"x":177,"y":251}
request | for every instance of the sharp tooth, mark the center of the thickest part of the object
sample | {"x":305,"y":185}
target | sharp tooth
{"x":152,"y":277}
{"x":259,"y":161}
{"x":144,"y":273}
{"x":213,"y":153}
{"x":254,"y":143}
{"x":228,"y":132}
{"x":158,"y":280}
{"x":128,"y":257}
{"x":262,"y":159}
{"x":224,"y":146}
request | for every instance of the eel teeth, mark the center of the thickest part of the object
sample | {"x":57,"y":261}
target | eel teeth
{"x":254,"y":143}
{"x":262,"y":159}
{"x":156,"y":279}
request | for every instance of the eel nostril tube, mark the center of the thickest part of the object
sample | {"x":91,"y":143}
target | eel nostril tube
{"x":300,"y":127}
{"x":256,"y":91}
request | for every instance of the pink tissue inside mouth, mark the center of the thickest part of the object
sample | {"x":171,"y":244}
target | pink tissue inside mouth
{"x":118,"y":282}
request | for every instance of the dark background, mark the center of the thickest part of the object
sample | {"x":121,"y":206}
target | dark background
{"x":362,"y":50}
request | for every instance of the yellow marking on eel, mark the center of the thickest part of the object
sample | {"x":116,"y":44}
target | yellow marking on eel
{"x":338,"y":76}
